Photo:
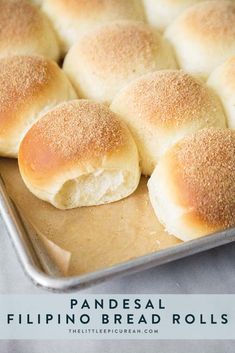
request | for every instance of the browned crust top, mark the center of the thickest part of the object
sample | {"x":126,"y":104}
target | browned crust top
{"x":203,"y":169}
{"x":74,"y":132}
{"x":168,"y":98}
{"x":19,"y":21}
{"x":22,"y":78}
{"x":114,"y":47}
{"x":212,"y":20}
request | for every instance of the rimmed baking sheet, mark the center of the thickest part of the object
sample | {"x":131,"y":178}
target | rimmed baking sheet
{"x":66,"y":250}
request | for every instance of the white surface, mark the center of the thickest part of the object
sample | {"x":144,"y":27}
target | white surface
{"x":209,"y":272}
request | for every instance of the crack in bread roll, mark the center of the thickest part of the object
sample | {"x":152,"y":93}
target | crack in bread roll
{"x":192,"y":189}
{"x":222,"y":80}
{"x":161,"y":13}
{"x":24,"y":30}
{"x":79,"y":154}
{"x":162,"y":107}
{"x":30,"y":86}
{"x":204,"y":36}
{"x":105,"y":60}
{"x":74,"y":18}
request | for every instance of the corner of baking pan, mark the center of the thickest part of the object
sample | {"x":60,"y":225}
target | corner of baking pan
{"x":33,"y":269}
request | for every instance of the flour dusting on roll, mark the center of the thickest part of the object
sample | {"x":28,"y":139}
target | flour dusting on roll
{"x":192,"y":189}
{"x":74,"y":18}
{"x":204,"y":36}
{"x":162,"y":107}
{"x":29,"y":87}
{"x":79,"y":154}
{"x":105,"y":60}
{"x":25,"y":30}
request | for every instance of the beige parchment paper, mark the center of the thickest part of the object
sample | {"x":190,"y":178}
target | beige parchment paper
{"x":90,"y":238}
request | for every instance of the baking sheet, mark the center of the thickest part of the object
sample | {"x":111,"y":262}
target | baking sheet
{"x":88,"y":239}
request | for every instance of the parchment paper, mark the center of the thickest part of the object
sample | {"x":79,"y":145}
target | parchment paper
{"x":90,"y":238}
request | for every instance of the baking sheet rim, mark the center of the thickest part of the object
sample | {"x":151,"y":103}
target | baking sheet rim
{"x":31,"y":263}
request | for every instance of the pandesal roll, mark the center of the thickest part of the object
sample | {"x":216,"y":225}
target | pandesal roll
{"x":74,"y":18}
{"x":105,"y":60}
{"x":162,"y":107}
{"x":24,"y":30}
{"x":204,"y":36}
{"x":222,"y":80}
{"x":79,"y":154}
{"x":29,"y":86}
{"x":161,"y":13}
{"x":192,"y":189}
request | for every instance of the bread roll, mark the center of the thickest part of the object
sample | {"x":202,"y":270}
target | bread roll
{"x":160,"y":13}
{"x":79,"y":154}
{"x":204,"y":36}
{"x":162,"y":107}
{"x":24,"y":30}
{"x":222,"y":80}
{"x":74,"y":18}
{"x":30,"y":86}
{"x":192,"y":189}
{"x":105,"y":60}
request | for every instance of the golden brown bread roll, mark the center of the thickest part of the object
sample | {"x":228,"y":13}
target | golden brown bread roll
{"x":222,"y":80}
{"x":79,"y":154}
{"x":192,"y":189}
{"x":162,"y":107}
{"x":105,"y":60}
{"x":30,"y":86}
{"x":204,"y":36}
{"x":74,"y":18}
{"x":24,"y":30}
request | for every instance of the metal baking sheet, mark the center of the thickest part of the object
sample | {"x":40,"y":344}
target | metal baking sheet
{"x":45,"y":273}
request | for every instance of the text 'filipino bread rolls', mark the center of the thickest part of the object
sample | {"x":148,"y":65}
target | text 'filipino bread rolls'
{"x":192,"y":189}
{"x":105,"y":60}
{"x":79,"y":154}
{"x":162,"y":107}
